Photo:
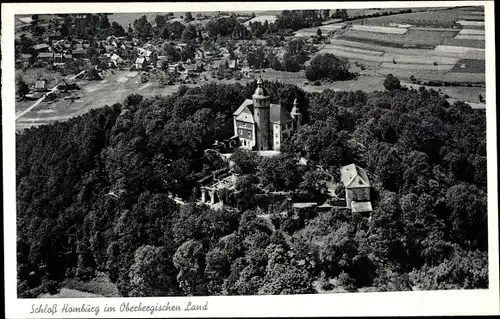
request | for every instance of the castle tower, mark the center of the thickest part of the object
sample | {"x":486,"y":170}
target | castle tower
{"x":261,"y":104}
{"x":296,"y":115}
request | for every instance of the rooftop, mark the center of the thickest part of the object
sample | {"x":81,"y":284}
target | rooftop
{"x":353,"y":176}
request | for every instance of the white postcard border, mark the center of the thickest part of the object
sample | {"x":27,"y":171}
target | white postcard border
{"x":354,"y":304}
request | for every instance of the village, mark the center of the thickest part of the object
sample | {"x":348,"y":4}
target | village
{"x":187,"y":59}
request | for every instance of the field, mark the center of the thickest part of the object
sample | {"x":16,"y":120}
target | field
{"x":469,"y":66}
{"x":444,"y":18}
{"x":412,"y":38}
{"x":378,"y":29}
{"x":97,"y":287}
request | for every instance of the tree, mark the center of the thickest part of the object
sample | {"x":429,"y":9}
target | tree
{"x":189,"y":260}
{"x":245,"y":162}
{"x":188,"y":17}
{"x":391,"y":82}
{"x":327,"y":66}
{"x":160,"y":21}
{"x":22,"y":87}
{"x":143,"y":28}
{"x":91,"y":74}
{"x":319,"y":33}
{"x":189,"y":33}
{"x":152,"y":273}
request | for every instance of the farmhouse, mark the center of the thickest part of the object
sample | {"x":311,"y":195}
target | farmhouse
{"x":357,"y":188}
{"x":140,"y":63}
{"x":263,"y":126}
{"x":46,"y":55}
{"x":116,"y":59}
{"x":39,"y":85}
{"x":43,"y":47}
{"x":25,"y":56}
{"x":79,"y":52}
{"x":232,"y":64}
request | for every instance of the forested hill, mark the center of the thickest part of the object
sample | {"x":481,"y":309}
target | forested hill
{"x":92,"y":196}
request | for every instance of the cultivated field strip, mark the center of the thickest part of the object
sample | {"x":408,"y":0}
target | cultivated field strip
{"x":377,"y":29}
{"x":421,"y":67}
{"x":471,"y":23}
{"x":329,"y":48}
{"x":476,"y":37}
{"x":360,"y":55}
{"x":374,"y":47}
{"x":331,"y":27}
{"x":429,"y":75}
{"x":462,"y":52}
{"x":471,"y":32}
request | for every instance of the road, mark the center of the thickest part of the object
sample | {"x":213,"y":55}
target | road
{"x":40,"y":100}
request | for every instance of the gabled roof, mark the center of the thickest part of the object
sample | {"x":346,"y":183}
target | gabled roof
{"x":279,"y":115}
{"x":245,"y":116}
{"x":139,"y":60}
{"x":115,"y":57}
{"x":79,"y":51}
{"x":46,"y":54}
{"x":353,"y":176}
{"x":247,"y":104}
{"x":41,"y":46}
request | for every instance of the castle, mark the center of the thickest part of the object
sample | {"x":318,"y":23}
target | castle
{"x":263,"y":126}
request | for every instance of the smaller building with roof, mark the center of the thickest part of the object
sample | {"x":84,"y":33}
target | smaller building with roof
{"x":357,"y":188}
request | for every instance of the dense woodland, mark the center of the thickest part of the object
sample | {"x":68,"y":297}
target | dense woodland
{"x":92,"y":197}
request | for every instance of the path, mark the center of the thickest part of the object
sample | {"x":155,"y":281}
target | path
{"x":40,"y":100}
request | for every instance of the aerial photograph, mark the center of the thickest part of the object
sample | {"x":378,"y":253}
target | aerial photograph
{"x":250,"y":153}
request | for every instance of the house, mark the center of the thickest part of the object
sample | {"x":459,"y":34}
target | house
{"x":180,"y":46}
{"x":42,"y":47}
{"x":67,"y":44}
{"x":67,"y":56}
{"x":79,"y":52}
{"x":232,"y":64}
{"x":46,"y":55}
{"x":25,"y":56}
{"x":199,"y":54}
{"x":78,"y":46}
{"x":140,"y":63}
{"x":58,"y":58}
{"x":40,"y":86}
{"x":263,"y":126}
{"x":116,"y":59}
{"x":108,"y":48}
{"x":112,"y":40}
{"x":225,"y":53}
{"x":54,"y":36}
{"x":357,"y":188}
{"x":149,"y":55}
{"x":58,"y":48}
{"x":86,"y":44}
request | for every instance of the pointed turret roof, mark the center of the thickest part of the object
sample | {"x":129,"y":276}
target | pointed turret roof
{"x":260,"y":93}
